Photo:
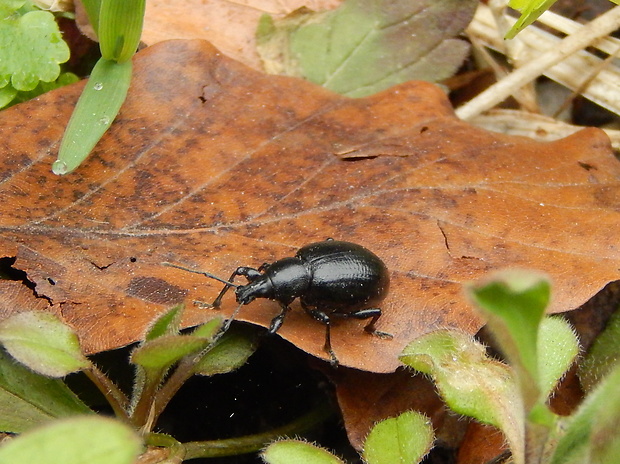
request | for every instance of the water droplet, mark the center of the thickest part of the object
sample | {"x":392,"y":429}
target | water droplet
{"x":60,"y":167}
{"x":98,"y":86}
{"x":104,"y":121}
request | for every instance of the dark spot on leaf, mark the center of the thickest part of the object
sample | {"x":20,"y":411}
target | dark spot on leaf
{"x":155,"y":290}
{"x":587,"y":166}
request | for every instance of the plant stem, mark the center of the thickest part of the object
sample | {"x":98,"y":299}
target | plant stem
{"x":252,"y":443}
{"x":115,"y":397}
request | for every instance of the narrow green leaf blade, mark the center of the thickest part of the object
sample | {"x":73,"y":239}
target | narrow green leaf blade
{"x":120,"y":28}
{"x":42,"y":342}
{"x":96,"y":109}
{"x":530,"y":11}
{"x":79,"y":440}
{"x":403,"y":439}
{"x":28,"y":399}
{"x":297,"y":451}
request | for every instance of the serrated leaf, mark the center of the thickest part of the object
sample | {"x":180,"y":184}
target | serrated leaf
{"x":403,"y":439}
{"x":31,"y":47}
{"x":230,"y":353}
{"x":297,"y":451}
{"x":164,"y":351}
{"x":366,"y":46}
{"x":28,"y":399}
{"x":470,"y":382}
{"x":88,"y":439}
{"x":43,"y":343}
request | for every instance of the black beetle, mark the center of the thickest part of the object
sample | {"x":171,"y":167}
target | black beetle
{"x":332,"y":279}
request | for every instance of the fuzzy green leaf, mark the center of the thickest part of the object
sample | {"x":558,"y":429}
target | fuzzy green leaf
{"x":42,"y":342}
{"x":167,"y":323}
{"x":470,"y":382}
{"x":96,"y":109}
{"x":41,"y":88}
{"x":557,"y":349}
{"x":403,"y":439}
{"x":230,"y":353}
{"x":31,"y":47}
{"x":28,"y":399}
{"x":365,"y":46}
{"x":514,"y":302}
{"x":162,"y":352}
{"x":603,"y":355}
{"x":591,"y":433}
{"x":297,"y":451}
{"x":79,"y":440}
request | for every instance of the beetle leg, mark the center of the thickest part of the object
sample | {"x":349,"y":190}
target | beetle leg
{"x":248,"y":272}
{"x":375,"y":313}
{"x":277,"y":321}
{"x":323,"y":318}
{"x":263,"y":267}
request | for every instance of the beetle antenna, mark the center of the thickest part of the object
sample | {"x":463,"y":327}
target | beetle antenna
{"x":204,"y":273}
{"x":230,"y":320}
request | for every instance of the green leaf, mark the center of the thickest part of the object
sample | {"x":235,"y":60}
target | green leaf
{"x":602,"y":356}
{"x":557,"y":349}
{"x":365,"y":46}
{"x":97,"y":107}
{"x":93,"y":7}
{"x":31,"y":47}
{"x":162,"y":352}
{"x":166,"y":324}
{"x":230,"y":353}
{"x":42,"y":87}
{"x":120,"y":28}
{"x":43,"y":343}
{"x":530,"y":11}
{"x":297,"y":451}
{"x":209,"y":329}
{"x":470,"y":382}
{"x":590,"y":435}
{"x":514,"y":302}
{"x":79,"y":440}
{"x":403,"y":439}
{"x":28,"y":399}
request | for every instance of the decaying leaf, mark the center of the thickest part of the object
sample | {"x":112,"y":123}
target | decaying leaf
{"x":212,"y":166}
{"x":365,"y":46}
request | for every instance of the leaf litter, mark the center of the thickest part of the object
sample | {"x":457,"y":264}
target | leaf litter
{"x":219,"y":166}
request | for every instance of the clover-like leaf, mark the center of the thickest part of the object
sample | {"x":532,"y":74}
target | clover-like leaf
{"x":31,"y":47}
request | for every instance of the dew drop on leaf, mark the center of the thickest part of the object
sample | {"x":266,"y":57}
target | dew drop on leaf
{"x":98,"y":86}
{"x":59,"y":167}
